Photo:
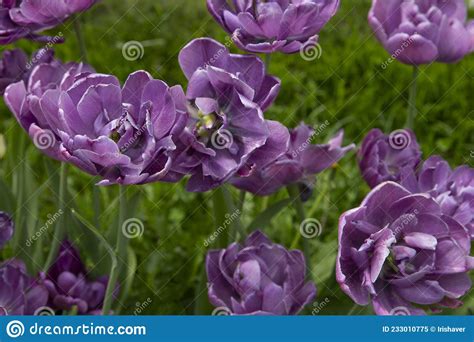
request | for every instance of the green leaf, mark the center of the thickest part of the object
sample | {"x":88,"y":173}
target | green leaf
{"x":267,"y":216}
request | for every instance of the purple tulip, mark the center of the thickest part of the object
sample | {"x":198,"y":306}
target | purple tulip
{"x":126,"y":135}
{"x":268,"y":26}
{"x":68,"y":285}
{"x":24,"y":19}
{"x":227,"y":95}
{"x":453,"y":190}
{"x":385,"y":157}
{"x":14,"y":65}
{"x":400,"y":252}
{"x":299,"y":163}
{"x":423,"y":31}
{"x":259,"y":278}
{"x":19,"y":294}
{"x":6,"y":228}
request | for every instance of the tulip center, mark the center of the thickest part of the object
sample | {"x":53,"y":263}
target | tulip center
{"x":206,"y":125}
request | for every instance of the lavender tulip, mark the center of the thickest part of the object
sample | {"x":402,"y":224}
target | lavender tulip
{"x":385,"y":157}
{"x":400,"y":252}
{"x":14,"y":65}
{"x":24,"y":19}
{"x":268,"y":26}
{"x":19,"y":294}
{"x":259,"y":278}
{"x":68,"y":285}
{"x":6,"y":228}
{"x":452,"y":189}
{"x":227,"y":95}
{"x":125,"y":135}
{"x":423,"y":31}
{"x":299,"y":163}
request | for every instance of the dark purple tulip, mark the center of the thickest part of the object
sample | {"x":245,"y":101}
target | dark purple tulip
{"x":126,"y":135}
{"x":25,"y":18}
{"x":384,"y":157}
{"x":400,"y":252}
{"x":15,"y":65}
{"x":6,"y":228}
{"x":299,"y":163}
{"x":268,"y":26}
{"x":423,"y":31}
{"x":452,"y":189}
{"x":68,"y":285}
{"x":227,"y":95}
{"x":258,"y":278}
{"x":19,"y":294}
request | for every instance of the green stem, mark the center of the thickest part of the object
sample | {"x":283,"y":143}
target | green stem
{"x":232,"y":211}
{"x":298,"y":205}
{"x":268,"y":59}
{"x":19,"y":191}
{"x":60,"y":228}
{"x":412,"y":99}
{"x":120,"y":250}
{"x":80,"y":39}
{"x":110,"y":250}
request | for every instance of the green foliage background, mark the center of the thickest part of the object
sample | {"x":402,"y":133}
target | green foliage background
{"x":346,"y":86}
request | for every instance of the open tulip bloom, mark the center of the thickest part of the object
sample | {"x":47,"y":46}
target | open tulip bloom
{"x":298,"y":164}
{"x":400,"y":252}
{"x":226,"y":96}
{"x":258,"y":278}
{"x":261,"y":26}
{"x":25,"y":19}
{"x":423,"y":31}
{"x":123,"y":134}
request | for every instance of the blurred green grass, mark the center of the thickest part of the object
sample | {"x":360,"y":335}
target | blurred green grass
{"x":346,"y":86}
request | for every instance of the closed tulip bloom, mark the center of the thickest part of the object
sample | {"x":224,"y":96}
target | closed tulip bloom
{"x":226,"y":96}
{"x":452,"y":189}
{"x":19,"y":293}
{"x":268,"y":26}
{"x":299,"y":164}
{"x":423,"y":31}
{"x":25,"y":19}
{"x":384,"y":157}
{"x":258,"y":278}
{"x":123,"y":134}
{"x":399,"y":252}
{"x":6,"y":228}
{"x":15,"y":65}
{"x":68,"y":286}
